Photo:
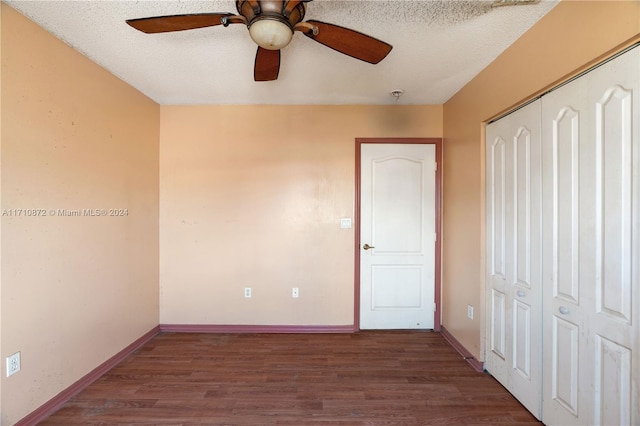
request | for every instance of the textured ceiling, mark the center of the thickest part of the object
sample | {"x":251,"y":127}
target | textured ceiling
{"x":438,"y":46}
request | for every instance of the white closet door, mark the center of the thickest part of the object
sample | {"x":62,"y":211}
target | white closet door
{"x":590,"y":263}
{"x":513,"y":254}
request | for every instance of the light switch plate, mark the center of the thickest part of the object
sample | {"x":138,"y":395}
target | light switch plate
{"x":345,"y":223}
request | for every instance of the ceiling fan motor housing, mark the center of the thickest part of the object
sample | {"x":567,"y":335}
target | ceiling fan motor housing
{"x":271,"y":22}
{"x":271,"y":9}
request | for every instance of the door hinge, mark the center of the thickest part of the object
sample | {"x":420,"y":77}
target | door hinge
{"x":435,"y":166}
{"x":434,"y":306}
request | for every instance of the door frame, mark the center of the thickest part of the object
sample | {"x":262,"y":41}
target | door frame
{"x":438,"y":207}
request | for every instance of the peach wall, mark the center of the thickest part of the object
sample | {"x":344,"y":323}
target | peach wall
{"x":75,"y":290}
{"x":571,"y":35}
{"x":252,"y":196}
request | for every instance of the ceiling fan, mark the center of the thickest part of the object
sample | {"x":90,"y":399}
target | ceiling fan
{"x":271,"y":25}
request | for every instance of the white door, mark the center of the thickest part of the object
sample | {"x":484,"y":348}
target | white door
{"x":591,"y":223}
{"x":397,"y":236}
{"x":514,"y":291}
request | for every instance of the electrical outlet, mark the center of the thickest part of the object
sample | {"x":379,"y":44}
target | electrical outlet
{"x":13,"y":364}
{"x":247,"y":292}
{"x":294,"y":293}
{"x":470,"y":311}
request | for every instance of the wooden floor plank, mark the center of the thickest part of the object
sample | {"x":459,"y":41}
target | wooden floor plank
{"x":366,"y":378}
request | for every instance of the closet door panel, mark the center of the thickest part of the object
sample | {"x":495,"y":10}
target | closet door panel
{"x":590,"y":239}
{"x":614,"y":105}
{"x":567,"y":259}
{"x":513,"y":248}
{"x":564,"y":365}
{"x":613,"y":399}
{"x":496,"y":193}
{"x":498,"y":334}
{"x":565,"y":145}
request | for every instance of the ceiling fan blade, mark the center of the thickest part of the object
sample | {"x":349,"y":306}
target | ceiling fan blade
{"x":350,"y":42}
{"x":163,"y":24}
{"x":267,"y":65}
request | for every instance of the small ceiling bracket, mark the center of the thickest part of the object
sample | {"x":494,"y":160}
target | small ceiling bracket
{"x":396,"y":93}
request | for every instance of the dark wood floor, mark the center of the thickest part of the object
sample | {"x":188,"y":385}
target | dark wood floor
{"x":368,"y":378}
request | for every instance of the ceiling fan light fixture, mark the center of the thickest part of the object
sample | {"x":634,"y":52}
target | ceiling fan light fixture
{"x":270,"y":33}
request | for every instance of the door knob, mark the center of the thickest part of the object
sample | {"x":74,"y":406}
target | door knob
{"x":563,"y":310}
{"x":367,"y":246}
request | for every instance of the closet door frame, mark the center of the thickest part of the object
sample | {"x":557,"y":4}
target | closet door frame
{"x":610,"y":364}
